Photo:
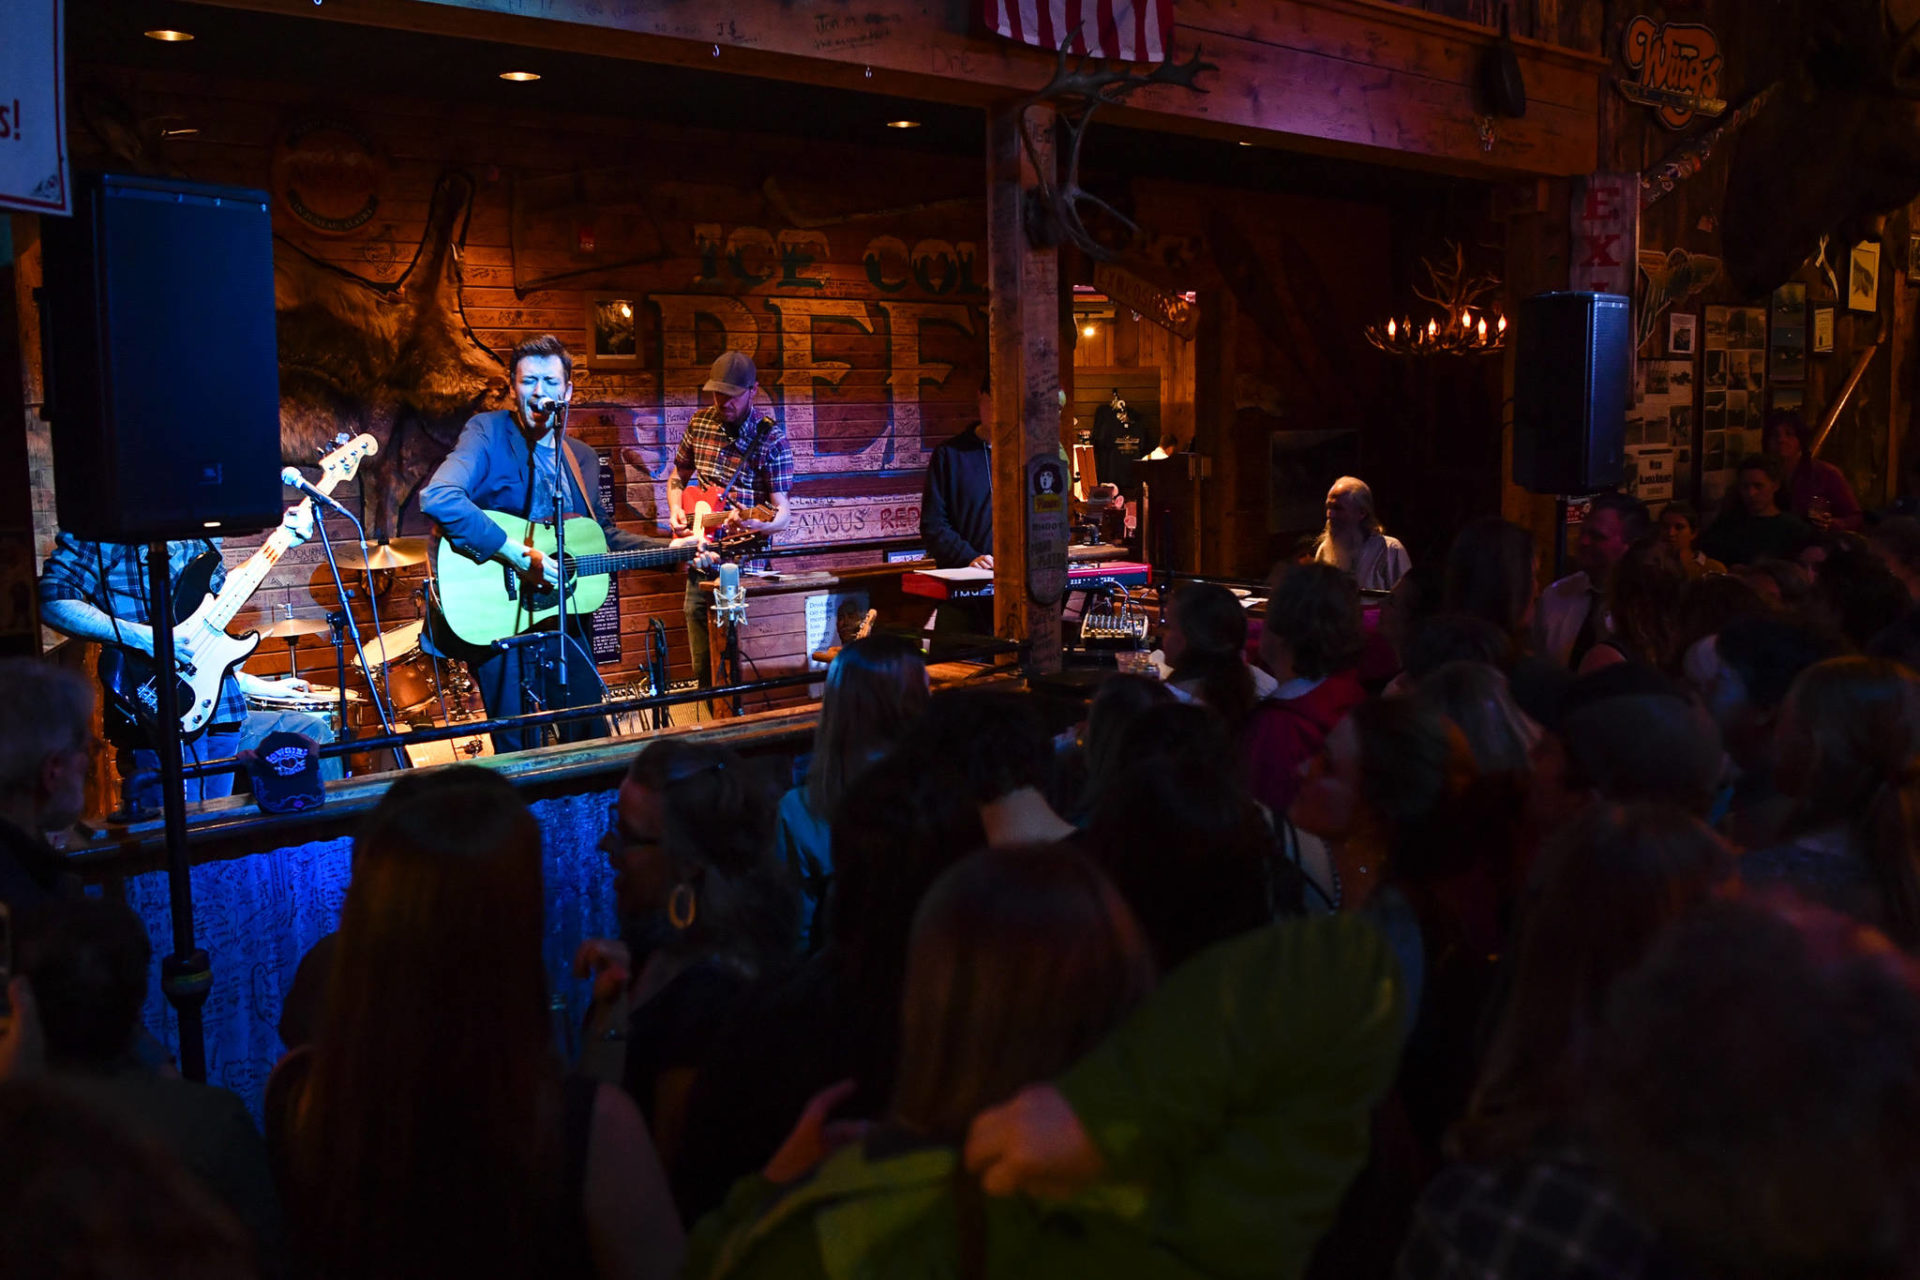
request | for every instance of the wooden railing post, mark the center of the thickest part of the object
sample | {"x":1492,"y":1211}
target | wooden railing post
{"x":1030,"y":482}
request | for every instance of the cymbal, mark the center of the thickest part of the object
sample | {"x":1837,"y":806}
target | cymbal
{"x":397,"y":554}
{"x":287,"y":628}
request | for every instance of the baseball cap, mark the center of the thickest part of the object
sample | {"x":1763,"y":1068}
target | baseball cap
{"x":732,"y":373}
{"x":285,"y":769}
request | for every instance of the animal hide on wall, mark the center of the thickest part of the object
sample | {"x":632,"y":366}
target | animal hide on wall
{"x":398,"y":361}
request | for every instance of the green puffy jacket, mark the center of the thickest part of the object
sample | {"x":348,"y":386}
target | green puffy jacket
{"x":1231,"y":1107}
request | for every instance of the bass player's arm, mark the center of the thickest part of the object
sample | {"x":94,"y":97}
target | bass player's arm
{"x":85,"y":621}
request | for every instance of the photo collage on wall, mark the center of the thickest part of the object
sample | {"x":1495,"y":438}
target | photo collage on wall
{"x":1733,"y":381}
{"x":1660,"y":430}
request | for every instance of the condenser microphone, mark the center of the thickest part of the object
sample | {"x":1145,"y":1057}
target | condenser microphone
{"x":291,"y":477}
{"x":541,"y":408}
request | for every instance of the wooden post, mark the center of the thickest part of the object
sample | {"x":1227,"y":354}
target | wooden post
{"x":1214,"y":412}
{"x":1030,"y":482}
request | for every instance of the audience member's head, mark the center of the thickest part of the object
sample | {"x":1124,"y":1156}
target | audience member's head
{"x":1490,"y":571}
{"x":1899,"y":642}
{"x":1397,"y":776}
{"x":1679,"y":526}
{"x":1858,"y":593}
{"x":1757,"y":1091}
{"x":1205,"y":642}
{"x":1602,"y":891}
{"x":1417,"y":597}
{"x":420,"y":1145}
{"x":1119,"y":701}
{"x":901,"y":824}
{"x":81,"y":1196}
{"x":1849,"y":755}
{"x":876,"y":688}
{"x":1614,"y":522}
{"x":1180,"y":837}
{"x":1896,"y":540}
{"x":88,"y":962}
{"x":692,"y":850}
{"x":1643,"y":602}
{"x":1312,"y":627}
{"x":1756,"y":485}
{"x":1711,"y":602}
{"x":1744,"y":675}
{"x":1652,"y":747}
{"x":1782,"y":584}
{"x":46,"y":740}
{"x":1475,"y":697}
{"x":997,"y":742}
{"x":1021,"y":961}
{"x":1455,"y":637}
{"x":1787,"y":436}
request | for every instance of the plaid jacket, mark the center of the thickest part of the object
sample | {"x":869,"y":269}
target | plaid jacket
{"x":712,"y":452}
{"x":112,"y":577}
{"x":1556,"y":1216}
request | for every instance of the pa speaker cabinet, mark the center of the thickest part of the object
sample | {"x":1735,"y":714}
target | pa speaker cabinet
{"x":1572,"y":376}
{"x":163,"y":379}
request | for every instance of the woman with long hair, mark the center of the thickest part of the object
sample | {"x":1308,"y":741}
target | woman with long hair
{"x":1605,"y":890}
{"x":1205,"y":643}
{"x":1848,"y":752}
{"x":1026,"y":967}
{"x":706,"y":910}
{"x":1643,"y":610}
{"x":1490,"y":575}
{"x":876,"y":688}
{"x":429,"y":1133}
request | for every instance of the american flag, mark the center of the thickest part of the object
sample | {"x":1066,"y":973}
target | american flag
{"x":1129,"y":30}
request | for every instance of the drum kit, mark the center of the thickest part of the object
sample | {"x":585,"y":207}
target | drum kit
{"x":422,"y":690}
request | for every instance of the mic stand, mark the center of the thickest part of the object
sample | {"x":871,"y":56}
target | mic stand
{"x":560,"y":469}
{"x":353,"y":629}
{"x":186,"y":976}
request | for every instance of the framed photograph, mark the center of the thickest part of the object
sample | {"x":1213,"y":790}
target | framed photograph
{"x":1823,"y":331}
{"x":1863,"y":277}
{"x":613,"y":331}
{"x":1680,"y":334}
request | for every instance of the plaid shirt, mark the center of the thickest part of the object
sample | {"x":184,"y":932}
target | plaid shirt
{"x":112,"y":577}
{"x":712,"y":452}
{"x":1556,"y":1216}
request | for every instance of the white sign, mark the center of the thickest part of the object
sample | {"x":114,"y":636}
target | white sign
{"x":33,"y":109}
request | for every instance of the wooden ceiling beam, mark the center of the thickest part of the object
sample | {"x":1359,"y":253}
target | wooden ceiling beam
{"x":1364,"y":79}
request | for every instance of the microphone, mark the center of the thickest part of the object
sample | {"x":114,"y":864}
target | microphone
{"x":729,"y":598}
{"x":536,"y":407}
{"x":291,"y":477}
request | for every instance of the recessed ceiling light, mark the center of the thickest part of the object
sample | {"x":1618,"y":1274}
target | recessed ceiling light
{"x":903,"y":124}
{"x":520,"y":77}
{"x":1245,"y":143}
{"x":171,"y":37}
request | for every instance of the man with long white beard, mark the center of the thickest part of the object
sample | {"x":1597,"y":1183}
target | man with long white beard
{"x":1354,"y":542}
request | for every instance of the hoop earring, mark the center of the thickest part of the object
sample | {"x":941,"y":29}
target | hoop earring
{"x":682,"y":907}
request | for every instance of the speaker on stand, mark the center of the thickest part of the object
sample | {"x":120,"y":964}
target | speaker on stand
{"x":1572,"y":383}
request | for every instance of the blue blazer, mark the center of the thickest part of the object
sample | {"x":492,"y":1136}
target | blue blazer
{"x":491,"y":467}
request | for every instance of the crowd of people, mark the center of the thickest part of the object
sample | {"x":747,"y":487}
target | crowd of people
{"x":1522,"y":933}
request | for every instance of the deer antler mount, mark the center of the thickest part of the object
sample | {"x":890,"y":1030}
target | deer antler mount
{"x":1075,"y":93}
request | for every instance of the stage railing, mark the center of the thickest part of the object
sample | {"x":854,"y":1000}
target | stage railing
{"x":537,"y":719}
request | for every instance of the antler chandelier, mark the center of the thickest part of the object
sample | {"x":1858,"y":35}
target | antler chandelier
{"x":1465,"y":325}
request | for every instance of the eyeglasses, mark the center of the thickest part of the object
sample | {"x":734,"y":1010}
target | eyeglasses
{"x":620,"y":831}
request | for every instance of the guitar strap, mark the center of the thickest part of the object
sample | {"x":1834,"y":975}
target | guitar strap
{"x":573,"y":465}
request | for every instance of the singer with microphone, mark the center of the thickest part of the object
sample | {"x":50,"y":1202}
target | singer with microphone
{"x":746,"y":455}
{"x":512,"y":460}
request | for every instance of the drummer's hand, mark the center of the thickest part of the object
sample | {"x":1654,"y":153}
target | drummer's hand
{"x":295,"y":684}
{"x":299,"y":522}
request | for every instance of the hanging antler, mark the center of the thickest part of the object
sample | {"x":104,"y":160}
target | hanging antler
{"x":1075,"y":94}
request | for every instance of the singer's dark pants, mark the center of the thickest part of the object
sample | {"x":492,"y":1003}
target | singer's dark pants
{"x":507,"y":677}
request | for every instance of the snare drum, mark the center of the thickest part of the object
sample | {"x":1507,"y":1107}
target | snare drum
{"x":392,"y":646}
{"x":321,"y":700}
